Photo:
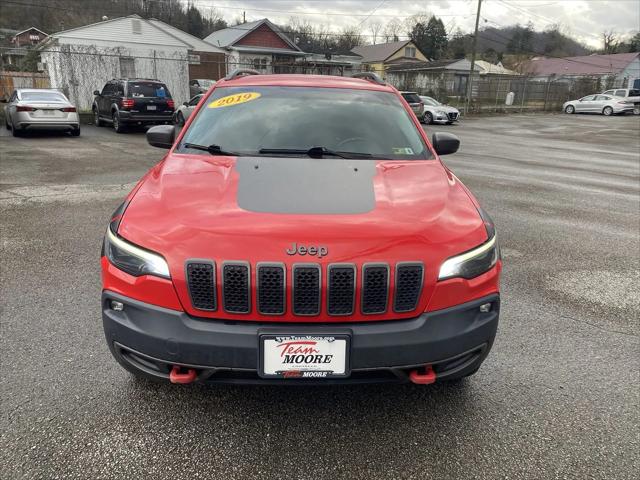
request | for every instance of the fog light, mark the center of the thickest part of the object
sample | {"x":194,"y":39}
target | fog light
{"x":119,"y":306}
{"x":485,"y":307}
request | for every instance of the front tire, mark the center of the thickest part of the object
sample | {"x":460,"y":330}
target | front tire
{"x":428,"y":118}
{"x":96,"y":118}
{"x":570,"y":109}
{"x":607,"y":111}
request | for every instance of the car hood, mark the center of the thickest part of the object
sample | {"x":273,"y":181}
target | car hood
{"x":254,"y":208}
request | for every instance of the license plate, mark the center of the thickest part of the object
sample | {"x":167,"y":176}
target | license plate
{"x":304,"y":356}
{"x":48,"y":113}
{"x":151,"y":107}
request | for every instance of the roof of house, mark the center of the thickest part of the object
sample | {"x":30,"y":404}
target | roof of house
{"x":379,"y":52}
{"x":227,"y":37}
{"x":496,"y":69}
{"x":451,"y":64}
{"x":27,"y":29}
{"x":585,"y":65}
{"x":123,"y":30}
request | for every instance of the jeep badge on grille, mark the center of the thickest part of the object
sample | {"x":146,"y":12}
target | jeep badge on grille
{"x":319,"y":251}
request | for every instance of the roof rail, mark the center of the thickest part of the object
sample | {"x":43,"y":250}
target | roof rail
{"x":241,"y":72}
{"x":372,"y":77}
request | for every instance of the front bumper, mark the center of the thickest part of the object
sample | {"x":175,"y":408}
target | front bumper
{"x":152,"y":339}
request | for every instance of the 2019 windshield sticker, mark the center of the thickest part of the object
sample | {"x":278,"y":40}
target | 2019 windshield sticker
{"x":235,"y":99}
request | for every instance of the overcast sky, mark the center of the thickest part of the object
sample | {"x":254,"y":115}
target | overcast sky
{"x":585,"y":20}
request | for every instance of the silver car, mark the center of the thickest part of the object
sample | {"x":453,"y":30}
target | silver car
{"x":186,"y":109}
{"x":40,"y":109}
{"x":436,"y":112}
{"x":604,"y":104}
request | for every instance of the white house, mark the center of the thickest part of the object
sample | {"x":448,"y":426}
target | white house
{"x":82,"y":59}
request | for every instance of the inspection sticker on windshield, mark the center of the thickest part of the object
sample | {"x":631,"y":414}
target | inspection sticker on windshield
{"x":235,"y":99}
{"x":402,"y":151}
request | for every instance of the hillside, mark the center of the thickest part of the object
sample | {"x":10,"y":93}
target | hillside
{"x":55,"y":15}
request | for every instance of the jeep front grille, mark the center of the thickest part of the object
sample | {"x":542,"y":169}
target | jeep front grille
{"x":306,"y":289}
{"x":375,"y":288}
{"x":201,"y":280}
{"x":341,"y":290}
{"x":408,"y":286}
{"x":236,"y":296}
{"x":379,"y":291}
{"x":271,"y":286}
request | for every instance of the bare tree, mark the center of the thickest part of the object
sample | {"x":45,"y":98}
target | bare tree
{"x":392,"y":30}
{"x":610,"y":41}
{"x":375,"y":27}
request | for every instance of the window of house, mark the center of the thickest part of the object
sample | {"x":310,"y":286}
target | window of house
{"x":260,"y":63}
{"x":460,"y":84}
{"x":410,"y":52}
{"x":127,"y":67}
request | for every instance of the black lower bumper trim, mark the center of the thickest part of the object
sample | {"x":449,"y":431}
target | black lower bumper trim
{"x":151,"y":339}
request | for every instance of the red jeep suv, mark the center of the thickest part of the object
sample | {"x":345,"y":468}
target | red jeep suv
{"x":302,"y":229}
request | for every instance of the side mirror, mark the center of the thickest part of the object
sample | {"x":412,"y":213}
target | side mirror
{"x":186,"y":104}
{"x":96,"y":93}
{"x":161,"y":136}
{"x":445,"y":143}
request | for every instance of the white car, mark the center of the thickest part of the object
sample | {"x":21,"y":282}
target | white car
{"x":186,"y":109}
{"x":40,"y":109}
{"x":436,"y":112}
{"x":604,"y":104}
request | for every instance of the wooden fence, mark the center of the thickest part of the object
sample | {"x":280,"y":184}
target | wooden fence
{"x":9,"y":81}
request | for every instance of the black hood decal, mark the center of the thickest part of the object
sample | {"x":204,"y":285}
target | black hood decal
{"x":306,"y":185}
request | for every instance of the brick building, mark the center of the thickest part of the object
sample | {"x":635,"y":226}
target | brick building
{"x":259,"y":45}
{"x":26,"y":38}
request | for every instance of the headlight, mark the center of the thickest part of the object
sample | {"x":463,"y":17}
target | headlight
{"x":472,"y":263}
{"x":441,"y":112}
{"x":477,"y":261}
{"x":134,"y":260}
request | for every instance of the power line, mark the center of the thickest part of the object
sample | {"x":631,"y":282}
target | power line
{"x":236,"y":27}
{"x":296,"y":12}
{"x":542,"y":17}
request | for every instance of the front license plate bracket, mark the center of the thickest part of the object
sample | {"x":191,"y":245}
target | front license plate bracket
{"x":304,"y":356}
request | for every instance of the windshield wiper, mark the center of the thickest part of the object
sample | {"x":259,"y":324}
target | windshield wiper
{"x":212,"y":149}
{"x":314,"y":152}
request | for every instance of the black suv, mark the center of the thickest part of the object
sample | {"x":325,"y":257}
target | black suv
{"x":132,"y":101}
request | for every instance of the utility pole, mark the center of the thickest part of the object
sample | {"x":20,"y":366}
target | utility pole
{"x":473,"y":60}
{"x":244,"y":17}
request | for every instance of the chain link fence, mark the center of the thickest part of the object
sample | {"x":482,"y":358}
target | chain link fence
{"x":78,"y":72}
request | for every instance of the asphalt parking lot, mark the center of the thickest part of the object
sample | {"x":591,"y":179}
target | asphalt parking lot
{"x":557,"y":398}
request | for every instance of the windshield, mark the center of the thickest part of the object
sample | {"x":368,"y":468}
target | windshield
{"x":148,"y":89}
{"x":430,"y":101}
{"x":42,"y":97}
{"x":249,"y":119}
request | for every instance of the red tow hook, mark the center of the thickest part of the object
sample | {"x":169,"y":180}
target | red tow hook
{"x":426,"y":378}
{"x":176,"y":377}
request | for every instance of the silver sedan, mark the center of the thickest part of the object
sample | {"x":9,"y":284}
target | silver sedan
{"x":40,"y":109}
{"x":604,"y":104}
